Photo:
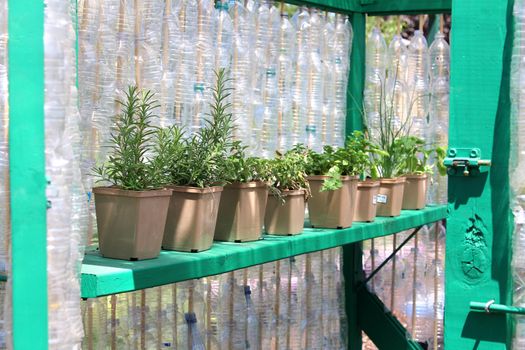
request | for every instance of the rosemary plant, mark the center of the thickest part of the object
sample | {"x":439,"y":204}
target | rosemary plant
{"x":203,"y":161}
{"x":132,"y":164}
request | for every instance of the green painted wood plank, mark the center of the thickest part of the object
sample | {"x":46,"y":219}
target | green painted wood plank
{"x":380,"y":325}
{"x":27,"y":172}
{"x":393,"y":7}
{"x":102,"y":276}
{"x":479,"y":227}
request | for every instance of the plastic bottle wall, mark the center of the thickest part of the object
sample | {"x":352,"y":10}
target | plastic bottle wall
{"x":5,"y":228}
{"x":67,"y":210}
{"x":517,"y":168}
{"x":288,"y":304}
{"x":412,"y":283}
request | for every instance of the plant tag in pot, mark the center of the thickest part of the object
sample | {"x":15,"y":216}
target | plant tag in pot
{"x":374,"y":199}
{"x":381,"y":198}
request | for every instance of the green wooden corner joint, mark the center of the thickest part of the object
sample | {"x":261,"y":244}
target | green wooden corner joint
{"x":491,"y":307}
{"x":465,"y":162}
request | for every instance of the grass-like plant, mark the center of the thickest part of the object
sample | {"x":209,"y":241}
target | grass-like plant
{"x":202,"y":161}
{"x":133,"y":163}
{"x":288,"y":171}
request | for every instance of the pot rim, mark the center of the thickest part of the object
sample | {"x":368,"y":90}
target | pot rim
{"x":392,"y":181}
{"x":369,"y":183}
{"x":322,"y":177}
{"x":416,"y":176}
{"x":115,"y":191}
{"x":291,"y":192}
{"x":251,"y":184}
{"x":190,"y":189}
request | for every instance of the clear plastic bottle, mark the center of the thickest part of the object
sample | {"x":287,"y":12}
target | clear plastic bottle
{"x":397,"y":93}
{"x":418,"y":84}
{"x":252,"y":322}
{"x":224,"y":37}
{"x":375,"y":79}
{"x":301,"y":20}
{"x":439,"y":53}
{"x":287,"y":41}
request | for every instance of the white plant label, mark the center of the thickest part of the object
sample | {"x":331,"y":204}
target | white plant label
{"x":382,"y":198}
{"x":374,"y":200}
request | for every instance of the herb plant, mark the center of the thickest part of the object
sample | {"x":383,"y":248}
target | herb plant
{"x":203,"y":160}
{"x":240,"y":168}
{"x":416,"y":156}
{"x":288,"y":171}
{"x":132,"y":163}
{"x":351,"y":160}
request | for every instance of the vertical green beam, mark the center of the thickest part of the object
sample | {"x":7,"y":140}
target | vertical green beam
{"x":356,"y":81}
{"x":353,"y":274}
{"x":352,"y":253}
{"x":27,"y":171}
{"x":479,"y":225}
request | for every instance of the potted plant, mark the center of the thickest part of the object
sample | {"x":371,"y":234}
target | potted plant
{"x":197,"y":174}
{"x":333,"y":177}
{"x":288,"y":192}
{"x":368,"y":188}
{"x":243,"y":200}
{"x":416,"y":169}
{"x":131,"y":212}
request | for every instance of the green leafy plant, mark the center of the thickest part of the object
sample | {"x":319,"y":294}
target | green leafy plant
{"x":133,"y":163}
{"x":288,"y":171}
{"x":416,"y":156}
{"x":240,"y":168}
{"x":203,"y":159}
{"x":351,"y":160}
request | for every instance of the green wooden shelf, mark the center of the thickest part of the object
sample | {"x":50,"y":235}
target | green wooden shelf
{"x":101,"y":276}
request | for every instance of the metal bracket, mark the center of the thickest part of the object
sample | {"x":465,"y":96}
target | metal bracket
{"x":465,"y":162}
{"x":491,"y":307}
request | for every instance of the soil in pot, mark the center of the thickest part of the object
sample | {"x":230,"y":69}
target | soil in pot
{"x":390,"y":197}
{"x":285,"y":218}
{"x":415,"y":194}
{"x":191,"y":220}
{"x":332,"y":209}
{"x":366,"y":206}
{"x":130,"y":223}
{"x":241,"y":212}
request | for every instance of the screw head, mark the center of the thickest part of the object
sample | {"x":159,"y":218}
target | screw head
{"x":452,"y":152}
{"x":474,"y":153}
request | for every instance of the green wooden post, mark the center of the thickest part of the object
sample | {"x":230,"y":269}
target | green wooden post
{"x":479,"y":225}
{"x":27,"y":171}
{"x":356,"y":81}
{"x":352,"y":253}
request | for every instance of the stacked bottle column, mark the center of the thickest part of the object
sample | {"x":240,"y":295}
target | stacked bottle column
{"x":288,"y":304}
{"x":517,"y":168}
{"x":418,"y":84}
{"x":439,"y":53}
{"x":66,"y":224}
{"x":5,"y":226}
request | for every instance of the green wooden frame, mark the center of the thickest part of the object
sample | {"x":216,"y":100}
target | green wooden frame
{"x":479,"y":97}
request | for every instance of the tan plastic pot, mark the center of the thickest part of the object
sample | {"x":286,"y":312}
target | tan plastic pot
{"x":366,"y":206}
{"x":130,"y":223}
{"x":390,"y":197}
{"x":241,"y":212}
{"x":332,"y":209}
{"x":285,"y":218}
{"x":415,"y":195}
{"x":192,"y":216}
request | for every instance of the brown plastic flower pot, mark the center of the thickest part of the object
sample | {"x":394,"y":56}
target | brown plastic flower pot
{"x":286,"y":218}
{"x":192,"y":216}
{"x":332,"y":209}
{"x":130,"y":223}
{"x":390,"y":197}
{"x":241,"y":212}
{"x":366,"y":206}
{"x":415,"y":196}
